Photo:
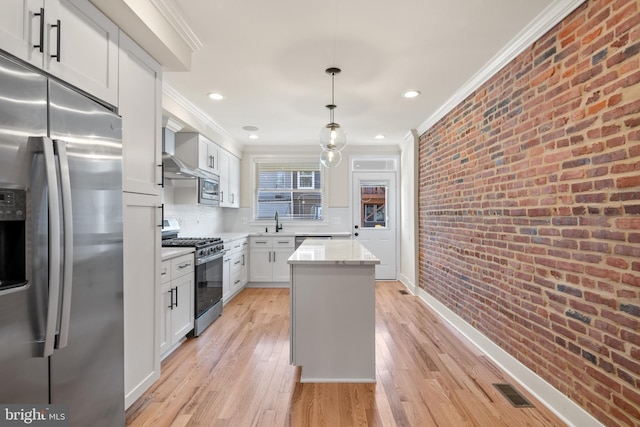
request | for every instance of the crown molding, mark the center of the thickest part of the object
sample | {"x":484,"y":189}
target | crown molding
{"x":546,"y":20}
{"x":173,"y":16}
{"x":198,"y":114}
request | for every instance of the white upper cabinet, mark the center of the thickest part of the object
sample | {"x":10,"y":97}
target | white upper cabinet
{"x":229,"y":167}
{"x":140,"y":105}
{"x":69,"y":39}
{"x":198,"y":152}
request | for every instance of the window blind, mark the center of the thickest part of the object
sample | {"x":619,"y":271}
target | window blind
{"x":291,"y":188}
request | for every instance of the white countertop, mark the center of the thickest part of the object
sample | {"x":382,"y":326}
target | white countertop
{"x":228,"y":237}
{"x":332,"y":252}
{"x":173,"y":252}
{"x":301,"y":233}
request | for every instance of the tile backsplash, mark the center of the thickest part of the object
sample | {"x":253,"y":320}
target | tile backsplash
{"x":195,"y":220}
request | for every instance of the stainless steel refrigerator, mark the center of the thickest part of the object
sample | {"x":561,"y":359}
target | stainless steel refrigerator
{"x":61,"y":311}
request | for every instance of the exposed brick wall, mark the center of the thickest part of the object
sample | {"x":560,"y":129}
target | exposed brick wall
{"x":529,"y":195}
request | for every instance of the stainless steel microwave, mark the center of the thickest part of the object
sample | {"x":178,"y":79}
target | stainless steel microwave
{"x":209,"y":191}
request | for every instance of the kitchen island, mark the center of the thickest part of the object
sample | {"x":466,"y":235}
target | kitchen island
{"x":333,"y":311}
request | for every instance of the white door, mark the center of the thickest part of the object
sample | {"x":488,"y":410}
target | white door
{"x":374,"y":218}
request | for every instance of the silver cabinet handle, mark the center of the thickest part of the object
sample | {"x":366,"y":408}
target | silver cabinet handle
{"x":55,"y":235}
{"x":67,"y":221}
{"x":269,"y":256}
{"x":185,"y":265}
{"x":274,"y":256}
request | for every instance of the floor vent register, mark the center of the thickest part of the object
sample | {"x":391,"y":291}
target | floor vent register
{"x":513,"y":396}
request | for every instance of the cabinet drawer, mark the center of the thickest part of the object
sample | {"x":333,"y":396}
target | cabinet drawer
{"x":283,"y":242}
{"x":165,"y":271}
{"x":236,"y":246}
{"x":182,"y":265}
{"x":260,"y":242}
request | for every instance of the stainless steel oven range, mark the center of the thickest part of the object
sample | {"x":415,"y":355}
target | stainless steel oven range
{"x":208,"y":276}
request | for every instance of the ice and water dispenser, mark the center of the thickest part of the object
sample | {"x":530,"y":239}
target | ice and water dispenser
{"x":13,"y":215}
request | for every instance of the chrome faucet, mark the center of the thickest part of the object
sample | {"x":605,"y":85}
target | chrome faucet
{"x":278,"y":227}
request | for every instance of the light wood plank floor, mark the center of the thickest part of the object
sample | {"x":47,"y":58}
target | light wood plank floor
{"x":237,"y":374}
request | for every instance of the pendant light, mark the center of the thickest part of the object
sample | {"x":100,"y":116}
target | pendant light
{"x":332,"y":138}
{"x":330,"y":159}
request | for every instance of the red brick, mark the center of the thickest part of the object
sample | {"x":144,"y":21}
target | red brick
{"x":544,"y":217}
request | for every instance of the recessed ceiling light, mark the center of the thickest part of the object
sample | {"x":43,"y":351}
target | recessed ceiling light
{"x":379,"y":136}
{"x":253,"y":136}
{"x":216,"y":96}
{"x":411,"y":93}
{"x":250,"y":128}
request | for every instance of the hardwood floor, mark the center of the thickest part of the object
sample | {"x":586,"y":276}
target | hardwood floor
{"x":237,"y":374}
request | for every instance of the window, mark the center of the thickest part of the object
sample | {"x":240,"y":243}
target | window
{"x":291,"y":188}
{"x":306,"y":179}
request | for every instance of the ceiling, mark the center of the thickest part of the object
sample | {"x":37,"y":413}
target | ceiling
{"x":268,"y":59}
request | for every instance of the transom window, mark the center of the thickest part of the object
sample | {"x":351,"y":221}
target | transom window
{"x":291,"y":188}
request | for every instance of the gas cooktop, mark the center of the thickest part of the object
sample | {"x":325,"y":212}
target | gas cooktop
{"x":196,"y":242}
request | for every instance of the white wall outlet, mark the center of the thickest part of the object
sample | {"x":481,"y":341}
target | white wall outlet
{"x":335,"y":220}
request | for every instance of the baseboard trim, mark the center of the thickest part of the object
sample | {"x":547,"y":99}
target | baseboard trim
{"x":558,"y":403}
{"x":411,"y":287}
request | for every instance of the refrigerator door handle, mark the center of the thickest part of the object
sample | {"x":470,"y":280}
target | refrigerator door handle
{"x":54,"y":246}
{"x":67,"y":226}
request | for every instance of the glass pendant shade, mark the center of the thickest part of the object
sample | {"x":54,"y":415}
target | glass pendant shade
{"x":332,"y":137}
{"x":330,"y":159}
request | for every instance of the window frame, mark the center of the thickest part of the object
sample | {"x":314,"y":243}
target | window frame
{"x":323,"y":191}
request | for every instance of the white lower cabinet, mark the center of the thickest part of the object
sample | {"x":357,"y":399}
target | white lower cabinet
{"x":177,"y":290}
{"x":142,"y":217}
{"x":235,"y":268}
{"x":269,"y":257}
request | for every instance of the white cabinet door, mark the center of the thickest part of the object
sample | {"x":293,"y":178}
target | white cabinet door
{"x":197,"y":151}
{"x":183,"y":306}
{"x":244,"y":275}
{"x":223,"y":166}
{"x":260,"y":269}
{"x":165,"y":318}
{"x":70,"y":39}
{"x":234,"y":181}
{"x":140,"y":100}
{"x":208,"y":155}
{"x":226,"y":278}
{"x":141,"y":293}
{"x":20,"y":29}
{"x":280,"y":266}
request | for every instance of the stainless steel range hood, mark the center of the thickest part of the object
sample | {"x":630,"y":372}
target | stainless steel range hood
{"x":173,"y":167}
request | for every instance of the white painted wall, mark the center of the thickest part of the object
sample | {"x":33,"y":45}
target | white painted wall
{"x":408,"y":211}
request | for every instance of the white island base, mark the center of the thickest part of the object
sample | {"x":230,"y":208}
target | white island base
{"x":333,"y":311}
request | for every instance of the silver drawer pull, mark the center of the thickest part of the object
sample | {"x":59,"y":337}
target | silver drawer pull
{"x":261,"y":242}
{"x":236,"y":282}
{"x":286,"y":242}
{"x":185,"y":265}
{"x":237,"y":262}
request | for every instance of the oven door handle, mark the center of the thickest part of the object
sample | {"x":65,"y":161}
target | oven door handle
{"x":200,"y":261}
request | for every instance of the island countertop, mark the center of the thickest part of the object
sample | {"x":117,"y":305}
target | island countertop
{"x":333,"y":252}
